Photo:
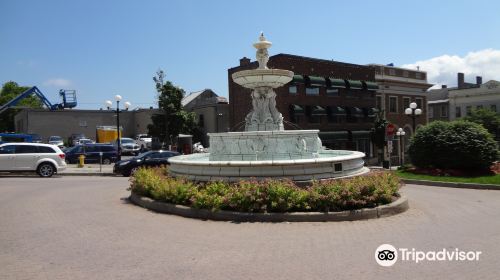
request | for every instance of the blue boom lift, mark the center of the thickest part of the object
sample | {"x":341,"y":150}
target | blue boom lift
{"x":68,"y":98}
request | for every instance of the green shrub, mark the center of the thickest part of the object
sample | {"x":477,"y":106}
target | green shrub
{"x":453,"y":145}
{"x":270,"y":195}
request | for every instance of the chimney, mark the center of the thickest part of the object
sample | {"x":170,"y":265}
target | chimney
{"x":444,"y":86}
{"x":461,"y":82}
{"x":244,"y":61}
{"x":479,"y":80}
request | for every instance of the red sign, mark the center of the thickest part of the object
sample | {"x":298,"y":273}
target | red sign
{"x":390,"y":129}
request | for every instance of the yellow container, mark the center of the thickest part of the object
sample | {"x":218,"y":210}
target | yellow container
{"x":107,"y":134}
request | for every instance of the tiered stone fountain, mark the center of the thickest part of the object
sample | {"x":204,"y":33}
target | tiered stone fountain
{"x":265,"y":149}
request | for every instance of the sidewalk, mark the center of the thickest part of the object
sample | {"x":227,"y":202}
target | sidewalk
{"x":88,"y":170}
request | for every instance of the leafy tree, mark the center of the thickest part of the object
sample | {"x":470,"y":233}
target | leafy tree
{"x":9,"y":91}
{"x":458,"y":145}
{"x":487,"y":118}
{"x":174,"y":119}
{"x":378,"y":132}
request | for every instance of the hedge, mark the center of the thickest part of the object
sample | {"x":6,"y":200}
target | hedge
{"x":268,"y":196}
{"x":459,"y":145}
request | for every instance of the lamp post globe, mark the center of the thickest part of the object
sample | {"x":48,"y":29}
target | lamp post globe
{"x":127,"y":105}
{"x":413,"y":105}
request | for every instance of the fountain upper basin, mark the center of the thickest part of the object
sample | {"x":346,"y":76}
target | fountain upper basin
{"x":262,"y":78}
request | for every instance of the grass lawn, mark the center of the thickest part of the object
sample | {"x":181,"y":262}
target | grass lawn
{"x":494,"y":179}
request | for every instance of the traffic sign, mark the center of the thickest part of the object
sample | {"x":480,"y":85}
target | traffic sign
{"x":390,"y":129}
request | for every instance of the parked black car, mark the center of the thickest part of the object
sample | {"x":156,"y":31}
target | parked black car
{"x":147,"y":159}
{"x":92,"y":153}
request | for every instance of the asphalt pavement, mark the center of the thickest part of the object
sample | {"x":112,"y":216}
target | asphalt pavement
{"x":84,"y":228}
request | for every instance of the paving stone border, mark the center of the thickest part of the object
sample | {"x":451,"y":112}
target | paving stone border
{"x":452,"y":184}
{"x":393,"y":208}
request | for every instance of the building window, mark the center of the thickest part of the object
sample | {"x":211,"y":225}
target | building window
{"x":201,"y":121}
{"x":406,"y":103}
{"x":393,"y":104}
{"x":458,"y":112}
{"x":479,"y":107}
{"x":392,"y":72}
{"x":418,"y":75}
{"x":332,"y":92}
{"x":468,"y":110}
{"x":444,"y":111}
{"x":312,"y":91}
{"x":493,"y":108}
{"x":406,"y":74}
{"x":378,"y":102}
{"x":292,"y":90}
{"x":431,"y":112}
{"x":420,"y":103}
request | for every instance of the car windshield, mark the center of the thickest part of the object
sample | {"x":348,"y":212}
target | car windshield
{"x":143,"y":155}
{"x":55,"y":138}
{"x":127,"y":141}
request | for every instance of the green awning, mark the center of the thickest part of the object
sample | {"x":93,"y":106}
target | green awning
{"x":355,"y":84}
{"x":337,"y":111}
{"x":317,"y":81}
{"x":337,"y":83}
{"x":296,"y":109}
{"x":318,"y":111}
{"x":298,"y":79}
{"x":356,"y":112}
{"x":371,"y":85}
{"x":372,"y":112}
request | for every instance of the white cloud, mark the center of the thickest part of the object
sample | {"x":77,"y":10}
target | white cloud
{"x":57,"y":82}
{"x":442,"y":70}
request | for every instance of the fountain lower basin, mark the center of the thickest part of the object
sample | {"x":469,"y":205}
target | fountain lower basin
{"x":292,"y":154}
{"x":329,"y":164}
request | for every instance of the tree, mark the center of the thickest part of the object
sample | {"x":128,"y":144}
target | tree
{"x":174,"y":119}
{"x":378,"y":132}
{"x":460,"y":145}
{"x":487,"y":118}
{"x":9,"y":91}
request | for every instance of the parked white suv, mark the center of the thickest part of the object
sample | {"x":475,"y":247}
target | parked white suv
{"x":144,"y":141}
{"x":44,"y":159}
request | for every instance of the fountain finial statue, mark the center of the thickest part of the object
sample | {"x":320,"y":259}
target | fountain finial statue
{"x":262,"y":55}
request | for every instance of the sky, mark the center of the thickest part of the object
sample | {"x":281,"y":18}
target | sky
{"x":104,"y":48}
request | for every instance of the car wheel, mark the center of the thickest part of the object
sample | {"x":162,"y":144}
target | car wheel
{"x":46,"y":170}
{"x":133,"y":170}
{"x":106,"y":161}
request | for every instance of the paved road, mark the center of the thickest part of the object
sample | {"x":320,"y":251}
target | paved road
{"x":83,"y":228}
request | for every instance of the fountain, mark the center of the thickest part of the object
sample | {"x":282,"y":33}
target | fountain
{"x":265,"y":149}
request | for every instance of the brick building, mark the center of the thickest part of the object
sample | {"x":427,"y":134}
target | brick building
{"x":336,"y":98}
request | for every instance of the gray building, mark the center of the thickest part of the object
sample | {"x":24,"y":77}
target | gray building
{"x":66,"y":122}
{"x":212,"y":111}
{"x":453,"y":103}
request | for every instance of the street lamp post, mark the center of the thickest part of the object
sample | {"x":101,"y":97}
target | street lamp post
{"x":413,"y":112}
{"x":127,"y":104}
{"x":401,"y":133}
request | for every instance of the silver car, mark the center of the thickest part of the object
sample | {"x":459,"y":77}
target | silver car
{"x":128,"y":146}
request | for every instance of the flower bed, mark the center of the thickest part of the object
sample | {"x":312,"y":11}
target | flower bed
{"x":268,"y":196}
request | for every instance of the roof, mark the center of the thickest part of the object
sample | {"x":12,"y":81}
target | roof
{"x":192,"y":96}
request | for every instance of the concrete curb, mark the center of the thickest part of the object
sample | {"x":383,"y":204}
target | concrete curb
{"x":87,"y":174}
{"x":396,"y":207}
{"x":452,"y":184}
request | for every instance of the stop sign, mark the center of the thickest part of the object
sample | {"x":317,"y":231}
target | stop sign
{"x":390,"y":129}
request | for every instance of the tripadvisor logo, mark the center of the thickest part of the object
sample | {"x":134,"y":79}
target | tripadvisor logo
{"x":387,"y":255}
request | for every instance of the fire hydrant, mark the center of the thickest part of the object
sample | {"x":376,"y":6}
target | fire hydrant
{"x":81,"y":160}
